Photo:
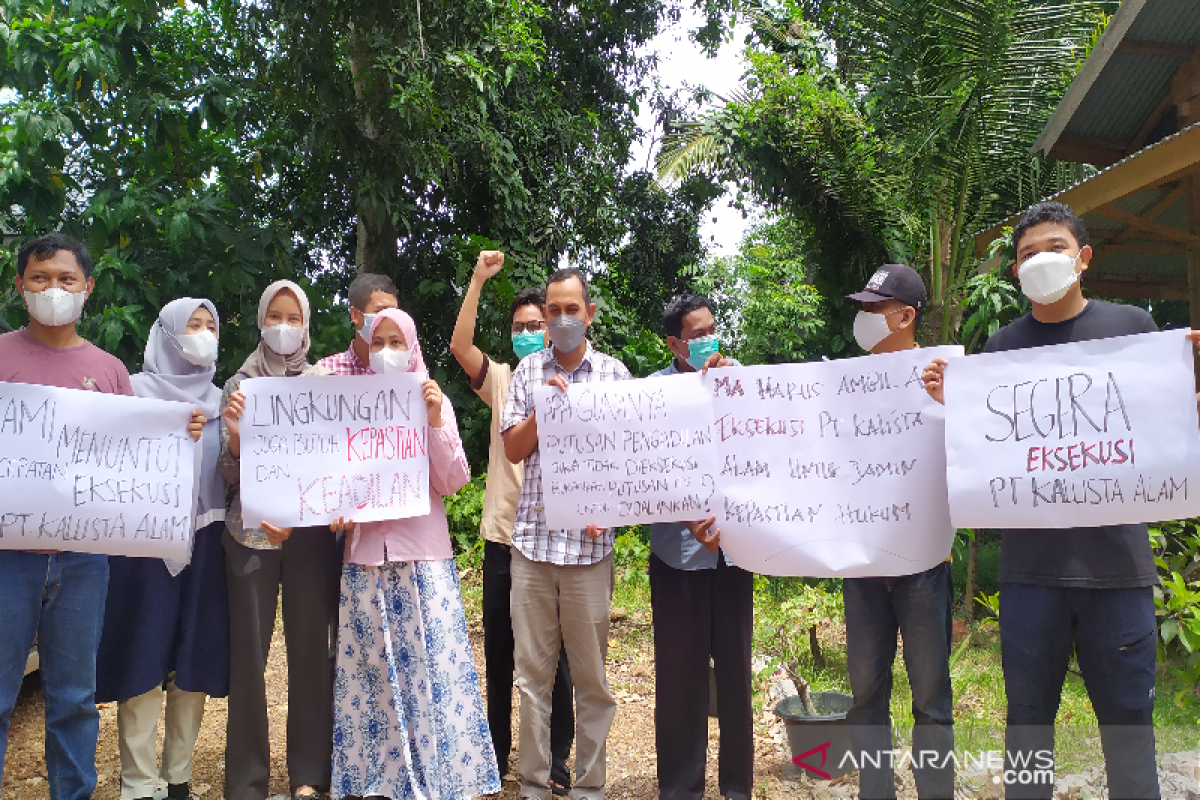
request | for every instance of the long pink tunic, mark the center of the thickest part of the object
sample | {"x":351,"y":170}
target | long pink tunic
{"x":425,"y":538}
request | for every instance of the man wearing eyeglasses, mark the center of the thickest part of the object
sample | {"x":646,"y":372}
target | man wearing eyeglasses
{"x":490,"y":380}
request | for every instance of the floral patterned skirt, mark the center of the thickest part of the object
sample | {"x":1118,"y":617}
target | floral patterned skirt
{"x":408,"y":716}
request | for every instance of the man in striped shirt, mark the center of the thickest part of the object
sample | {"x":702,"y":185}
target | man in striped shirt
{"x":562,"y":580}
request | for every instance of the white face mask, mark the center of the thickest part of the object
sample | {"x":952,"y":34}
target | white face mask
{"x":388,"y":361}
{"x":199,"y":348}
{"x":365,"y":330}
{"x":284,"y":339}
{"x":54,"y":306}
{"x":1047,"y":277}
{"x":870,"y":328}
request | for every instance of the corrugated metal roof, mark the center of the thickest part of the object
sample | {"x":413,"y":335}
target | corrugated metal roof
{"x":1117,"y":89}
{"x":1123,"y":96}
{"x":1098,"y":173}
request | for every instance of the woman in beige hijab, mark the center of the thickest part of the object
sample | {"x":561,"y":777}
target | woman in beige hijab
{"x":260,"y":561}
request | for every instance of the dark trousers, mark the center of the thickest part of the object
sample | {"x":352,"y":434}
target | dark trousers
{"x":699,"y":615}
{"x":500,"y":667}
{"x":308,"y":568}
{"x":918,"y":607}
{"x":1112,"y":633}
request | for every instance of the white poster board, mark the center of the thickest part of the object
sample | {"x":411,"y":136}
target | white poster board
{"x":834,"y":468}
{"x":95,"y":473}
{"x":624,"y":452}
{"x":826,"y":469}
{"x":1091,"y":433}
{"x":315,"y":448}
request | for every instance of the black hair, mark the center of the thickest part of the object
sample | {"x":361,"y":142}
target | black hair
{"x":366,"y":285}
{"x":43,"y":248}
{"x":1050,"y":211}
{"x":529,"y":296}
{"x":679,"y":307}
{"x":565,"y":274}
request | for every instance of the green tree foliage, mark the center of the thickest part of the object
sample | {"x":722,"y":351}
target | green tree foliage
{"x":895,"y":128}
{"x":131,"y":127}
{"x":767,"y":309}
{"x":209,"y":148}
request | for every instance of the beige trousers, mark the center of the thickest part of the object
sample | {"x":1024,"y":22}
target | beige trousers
{"x":552,"y":603}
{"x":137,"y":730}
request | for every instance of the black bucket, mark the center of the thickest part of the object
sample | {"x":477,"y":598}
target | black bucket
{"x":819,"y":743}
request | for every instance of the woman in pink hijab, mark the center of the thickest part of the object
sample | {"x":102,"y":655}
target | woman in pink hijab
{"x":408,"y":714}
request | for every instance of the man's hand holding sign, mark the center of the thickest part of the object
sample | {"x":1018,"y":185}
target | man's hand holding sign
{"x":1071,"y":435}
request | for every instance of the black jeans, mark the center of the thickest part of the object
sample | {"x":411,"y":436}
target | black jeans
{"x":501,"y":669}
{"x":698,"y":615}
{"x":918,"y":607}
{"x":1112,"y":632}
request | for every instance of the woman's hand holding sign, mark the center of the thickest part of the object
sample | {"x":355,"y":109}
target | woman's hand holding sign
{"x":196,"y":424}
{"x":433,"y":402}
{"x":275,"y":536}
{"x":232,"y":416}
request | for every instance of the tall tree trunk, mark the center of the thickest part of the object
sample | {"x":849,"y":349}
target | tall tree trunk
{"x":377,"y":249}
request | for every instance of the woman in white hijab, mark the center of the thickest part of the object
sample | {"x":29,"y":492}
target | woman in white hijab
{"x":166,"y":623}
{"x":261,"y":560}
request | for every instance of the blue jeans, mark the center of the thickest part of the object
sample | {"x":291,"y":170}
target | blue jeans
{"x":59,"y":599}
{"x":1114,"y":636}
{"x":919,"y":608}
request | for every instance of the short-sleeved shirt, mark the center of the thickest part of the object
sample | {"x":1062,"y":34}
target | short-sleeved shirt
{"x":86,"y":367}
{"x":530,"y":534}
{"x":1108,"y":557}
{"x":503,"y":477}
{"x":24,"y":359}
{"x":673,"y":543}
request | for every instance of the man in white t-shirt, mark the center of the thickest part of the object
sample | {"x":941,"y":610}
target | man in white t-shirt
{"x":490,"y":380}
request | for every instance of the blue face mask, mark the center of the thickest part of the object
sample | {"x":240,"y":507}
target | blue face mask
{"x":701,"y":348}
{"x":527,"y":342}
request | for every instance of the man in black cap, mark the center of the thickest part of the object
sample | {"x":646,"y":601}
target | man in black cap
{"x":917,"y":606}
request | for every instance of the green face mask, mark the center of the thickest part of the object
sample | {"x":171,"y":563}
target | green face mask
{"x":527,"y":342}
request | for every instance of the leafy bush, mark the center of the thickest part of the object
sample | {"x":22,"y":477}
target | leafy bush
{"x":1177,"y":602}
{"x":631,"y":554}
{"x":464,"y":514}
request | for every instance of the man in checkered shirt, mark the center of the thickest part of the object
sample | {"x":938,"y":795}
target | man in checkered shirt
{"x":562,"y":580}
{"x":369,"y":293}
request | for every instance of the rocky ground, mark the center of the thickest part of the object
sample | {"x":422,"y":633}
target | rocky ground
{"x":631,"y":756}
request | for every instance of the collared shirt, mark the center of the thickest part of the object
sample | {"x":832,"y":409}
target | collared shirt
{"x":530,"y":533}
{"x":673,"y":543}
{"x":346,"y":363}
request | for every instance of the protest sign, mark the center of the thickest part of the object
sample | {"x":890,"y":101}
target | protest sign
{"x":318,"y":448}
{"x":625,"y":452}
{"x":95,"y":473}
{"x":833,"y":468}
{"x":1091,"y":433}
{"x":824,"y":469}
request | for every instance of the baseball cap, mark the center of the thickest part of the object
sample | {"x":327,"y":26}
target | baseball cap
{"x":893,"y":282}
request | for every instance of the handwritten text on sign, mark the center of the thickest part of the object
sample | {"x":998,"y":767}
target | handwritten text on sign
{"x":1075,"y":435}
{"x":826,"y":469}
{"x":832,"y":468}
{"x":95,"y":473}
{"x":628,"y":451}
{"x":318,"y":448}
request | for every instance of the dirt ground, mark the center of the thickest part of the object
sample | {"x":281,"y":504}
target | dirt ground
{"x":631,"y":757}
